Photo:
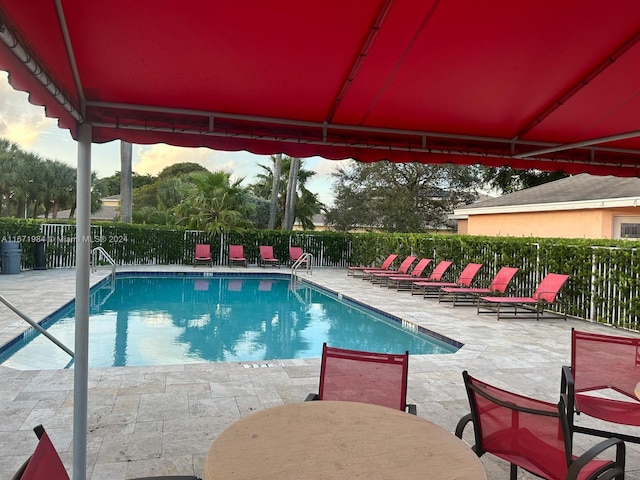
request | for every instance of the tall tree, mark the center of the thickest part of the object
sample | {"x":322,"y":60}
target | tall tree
{"x":275,"y":190}
{"x":307,"y":203}
{"x":62,"y":184}
{"x":290,"y":201}
{"x":400,"y":197}
{"x":110,"y":185}
{"x":509,"y":180}
{"x":126,"y":181}
{"x":10,"y":153}
{"x":179,"y":169}
{"x":215,"y":204}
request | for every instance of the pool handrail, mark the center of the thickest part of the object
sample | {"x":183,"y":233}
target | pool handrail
{"x":36,"y":326}
{"x":106,"y":256}
{"x":305,"y":258}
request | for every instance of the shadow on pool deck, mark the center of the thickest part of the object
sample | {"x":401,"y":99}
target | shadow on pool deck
{"x":163,"y":419}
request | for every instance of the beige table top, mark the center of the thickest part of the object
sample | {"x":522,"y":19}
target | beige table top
{"x":323,"y":440}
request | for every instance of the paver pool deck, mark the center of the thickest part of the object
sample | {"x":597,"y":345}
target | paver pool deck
{"x":163,"y":419}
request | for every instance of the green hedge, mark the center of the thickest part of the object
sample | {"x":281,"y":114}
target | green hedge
{"x":604,"y":284}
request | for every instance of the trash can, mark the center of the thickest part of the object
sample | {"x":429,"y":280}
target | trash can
{"x":41,"y":261}
{"x":10,"y":253}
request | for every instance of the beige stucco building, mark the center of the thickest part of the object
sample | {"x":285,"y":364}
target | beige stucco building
{"x":580,"y":206}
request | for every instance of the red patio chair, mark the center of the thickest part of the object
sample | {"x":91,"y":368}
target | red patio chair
{"x":402,"y":282}
{"x":430,"y":288}
{"x":236,"y":255}
{"x":544,"y":296}
{"x":267,"y":257}
{"x":386,"y":265}
{"x":533,"y":435}
{"x":294,"y":254}
{"x":498,"y":286}
{"x":45,"y":463}
{"x":436,"y":274}
{"x":603,"y":364}
{"x":203,"y":254}
{"x":367,"y":377}
{"x":376,"y":276}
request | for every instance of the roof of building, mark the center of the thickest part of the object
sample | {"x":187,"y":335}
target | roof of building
{"x":109,"y":210}
{"x":581,"y":191}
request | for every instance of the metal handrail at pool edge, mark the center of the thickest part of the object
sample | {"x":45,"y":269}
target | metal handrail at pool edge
{"x":304,"y":258}
{"x":106,"y":256}
{"x":36,"y":326}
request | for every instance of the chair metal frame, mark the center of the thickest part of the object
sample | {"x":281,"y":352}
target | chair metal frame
{"x":431,"y":288}
{"x":376,"y":276}
{"x":359,"y":269}
{"x":403,"y":282}
{"x":545,"y":295}
{"x":236,"y":256}
{"x":361,"y":358}
{"x":200,"y":257}
{"x":532,"y":451}
{"x":606,"y":370}
{"x":470,"y":295}
{"x":267,"y":257}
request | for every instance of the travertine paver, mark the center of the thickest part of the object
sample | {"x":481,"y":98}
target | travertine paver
{"x":162,"y":419}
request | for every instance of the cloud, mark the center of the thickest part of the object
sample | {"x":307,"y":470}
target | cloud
{"x":20,"y":122}
{"x":27,"y":125}
{"x":153,"y":159}
{"x":324,"y":167}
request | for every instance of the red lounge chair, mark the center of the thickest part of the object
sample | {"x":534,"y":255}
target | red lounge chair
{"x":544,"y":296}
{"x":236,"y":255}
{"x":498,"y":286}
{"x":45,"y":463}
{"x":600,"y":364}
{"x":266,"y":256}
{"x":533,"y":435}
{"x":294,"y":254}
{"x":431,"y":288}
{"x":386,"y":265}
{"x":376,"y":276}
{"x":436,"y":274}
{"x":203,"y":254}
{"x":404,"y":281}
{"x":367,"y":377}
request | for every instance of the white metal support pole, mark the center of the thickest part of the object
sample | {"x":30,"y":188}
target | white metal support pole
{"x":83,"y":252}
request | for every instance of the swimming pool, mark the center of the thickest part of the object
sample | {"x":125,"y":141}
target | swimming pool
{"x":143,"y":319}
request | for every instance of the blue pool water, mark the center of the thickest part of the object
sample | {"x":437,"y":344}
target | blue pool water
{"x":160,"y":320}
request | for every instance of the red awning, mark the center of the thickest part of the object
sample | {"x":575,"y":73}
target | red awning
{"x":545,"y":84}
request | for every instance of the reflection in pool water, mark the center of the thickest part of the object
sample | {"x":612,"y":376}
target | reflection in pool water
{"x":154,"y":320}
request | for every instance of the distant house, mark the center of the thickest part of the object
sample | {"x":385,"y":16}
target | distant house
{"x":109,"y":211}
{"x":580,"y":206}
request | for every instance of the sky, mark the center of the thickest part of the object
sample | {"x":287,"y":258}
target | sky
{"x":27,"y":125}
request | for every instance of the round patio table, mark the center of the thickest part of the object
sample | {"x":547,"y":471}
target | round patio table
{"x":325,"y":440}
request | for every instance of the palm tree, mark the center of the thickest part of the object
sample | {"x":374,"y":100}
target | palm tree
{"x":289,"y":216}
{"x":275,"y":189}
{"x":306,"y":203}
{"x":215,"y":204}
{"x":126,"y":182}
{"x":26,"y":184}
{"x":9,"y":153}
{"x":63,"y":187}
